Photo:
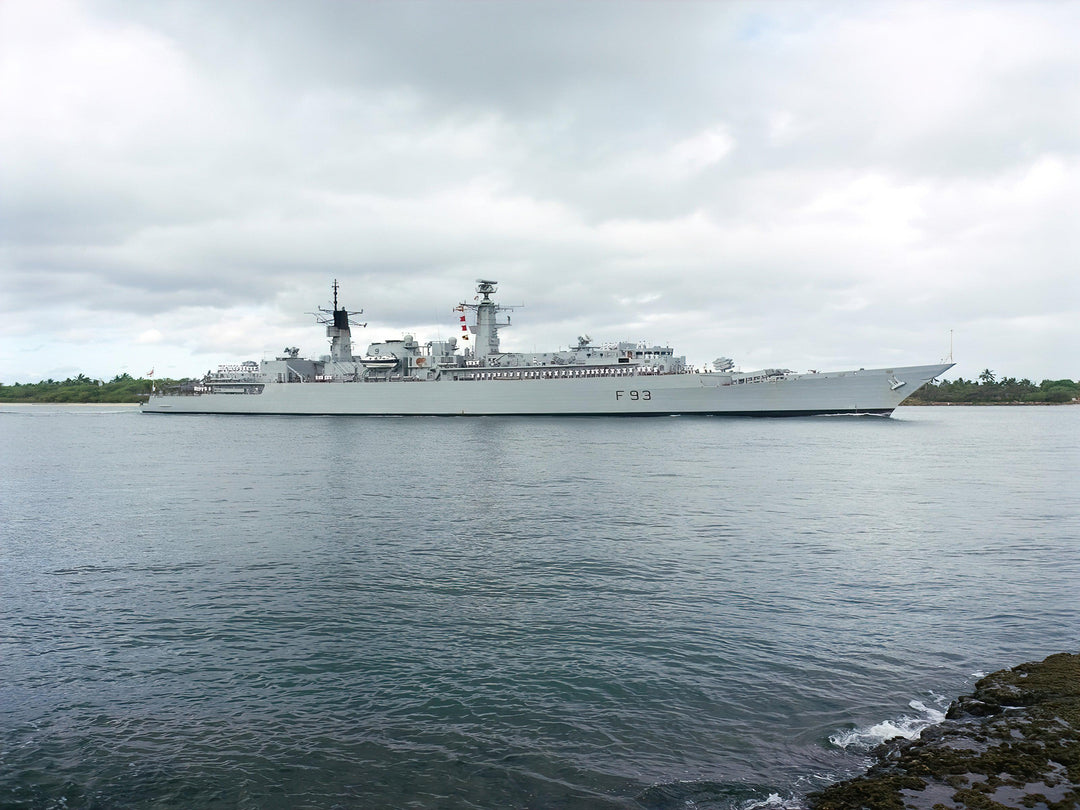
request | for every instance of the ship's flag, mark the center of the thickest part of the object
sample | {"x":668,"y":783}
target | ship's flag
{"x":150,"y":373}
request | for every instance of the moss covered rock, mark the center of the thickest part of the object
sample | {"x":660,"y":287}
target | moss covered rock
{"x":1013,"y":743}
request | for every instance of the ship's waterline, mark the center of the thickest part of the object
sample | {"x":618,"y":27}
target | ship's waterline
{"x":439,"y":378}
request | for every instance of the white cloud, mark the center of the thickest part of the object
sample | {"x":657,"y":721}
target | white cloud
{"x":684,"y":158}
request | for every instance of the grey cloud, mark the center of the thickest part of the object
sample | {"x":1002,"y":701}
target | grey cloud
{"x":618,"y":166}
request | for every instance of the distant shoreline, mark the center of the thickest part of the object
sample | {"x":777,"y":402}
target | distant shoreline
{"x":70,"y":404}
{"x":918,"y":404}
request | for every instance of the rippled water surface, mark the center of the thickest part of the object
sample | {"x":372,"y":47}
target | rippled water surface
{"x":292,"y":612}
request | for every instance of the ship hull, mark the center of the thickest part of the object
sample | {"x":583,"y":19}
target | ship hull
{"x":871,"y":391}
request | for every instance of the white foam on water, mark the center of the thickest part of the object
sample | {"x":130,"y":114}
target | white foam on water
{"x":906,"y":726}
{"x":774,"y":802}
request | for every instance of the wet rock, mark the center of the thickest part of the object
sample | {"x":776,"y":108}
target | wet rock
{"x":1013,"y":743}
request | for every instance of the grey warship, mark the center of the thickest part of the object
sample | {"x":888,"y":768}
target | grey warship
{"x":474,"y":377}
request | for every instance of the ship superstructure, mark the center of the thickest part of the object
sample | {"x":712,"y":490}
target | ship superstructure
{"x":474,"y":377}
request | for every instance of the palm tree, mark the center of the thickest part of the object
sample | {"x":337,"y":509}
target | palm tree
{"x":987,"y":377}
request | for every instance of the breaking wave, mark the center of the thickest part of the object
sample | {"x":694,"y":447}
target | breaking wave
{"x":906,"y":725}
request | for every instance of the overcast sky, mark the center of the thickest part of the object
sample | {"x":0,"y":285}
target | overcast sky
{"x":803,"y":185}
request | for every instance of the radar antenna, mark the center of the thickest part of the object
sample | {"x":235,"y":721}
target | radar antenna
{"x":338,"y":316}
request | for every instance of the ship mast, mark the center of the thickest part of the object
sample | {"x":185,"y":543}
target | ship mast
{"x":487,"y":325}
{"x":337,"y":329}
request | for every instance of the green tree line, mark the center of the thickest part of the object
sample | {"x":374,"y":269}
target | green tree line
{"x":121,"y":388}
{"x":988,"y":389}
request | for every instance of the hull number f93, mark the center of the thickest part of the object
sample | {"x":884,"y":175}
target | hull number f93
{"x":634,"y":395}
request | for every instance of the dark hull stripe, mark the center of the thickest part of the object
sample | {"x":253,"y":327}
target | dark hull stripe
{"x":769,"y":414}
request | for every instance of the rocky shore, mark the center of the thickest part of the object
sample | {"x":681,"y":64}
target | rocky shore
{"x":1013,"y":743}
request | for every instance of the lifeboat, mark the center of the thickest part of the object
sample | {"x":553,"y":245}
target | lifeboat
{"x":379,"y":361}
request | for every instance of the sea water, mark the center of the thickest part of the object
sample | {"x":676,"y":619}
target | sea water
{"x":297,"y":612}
